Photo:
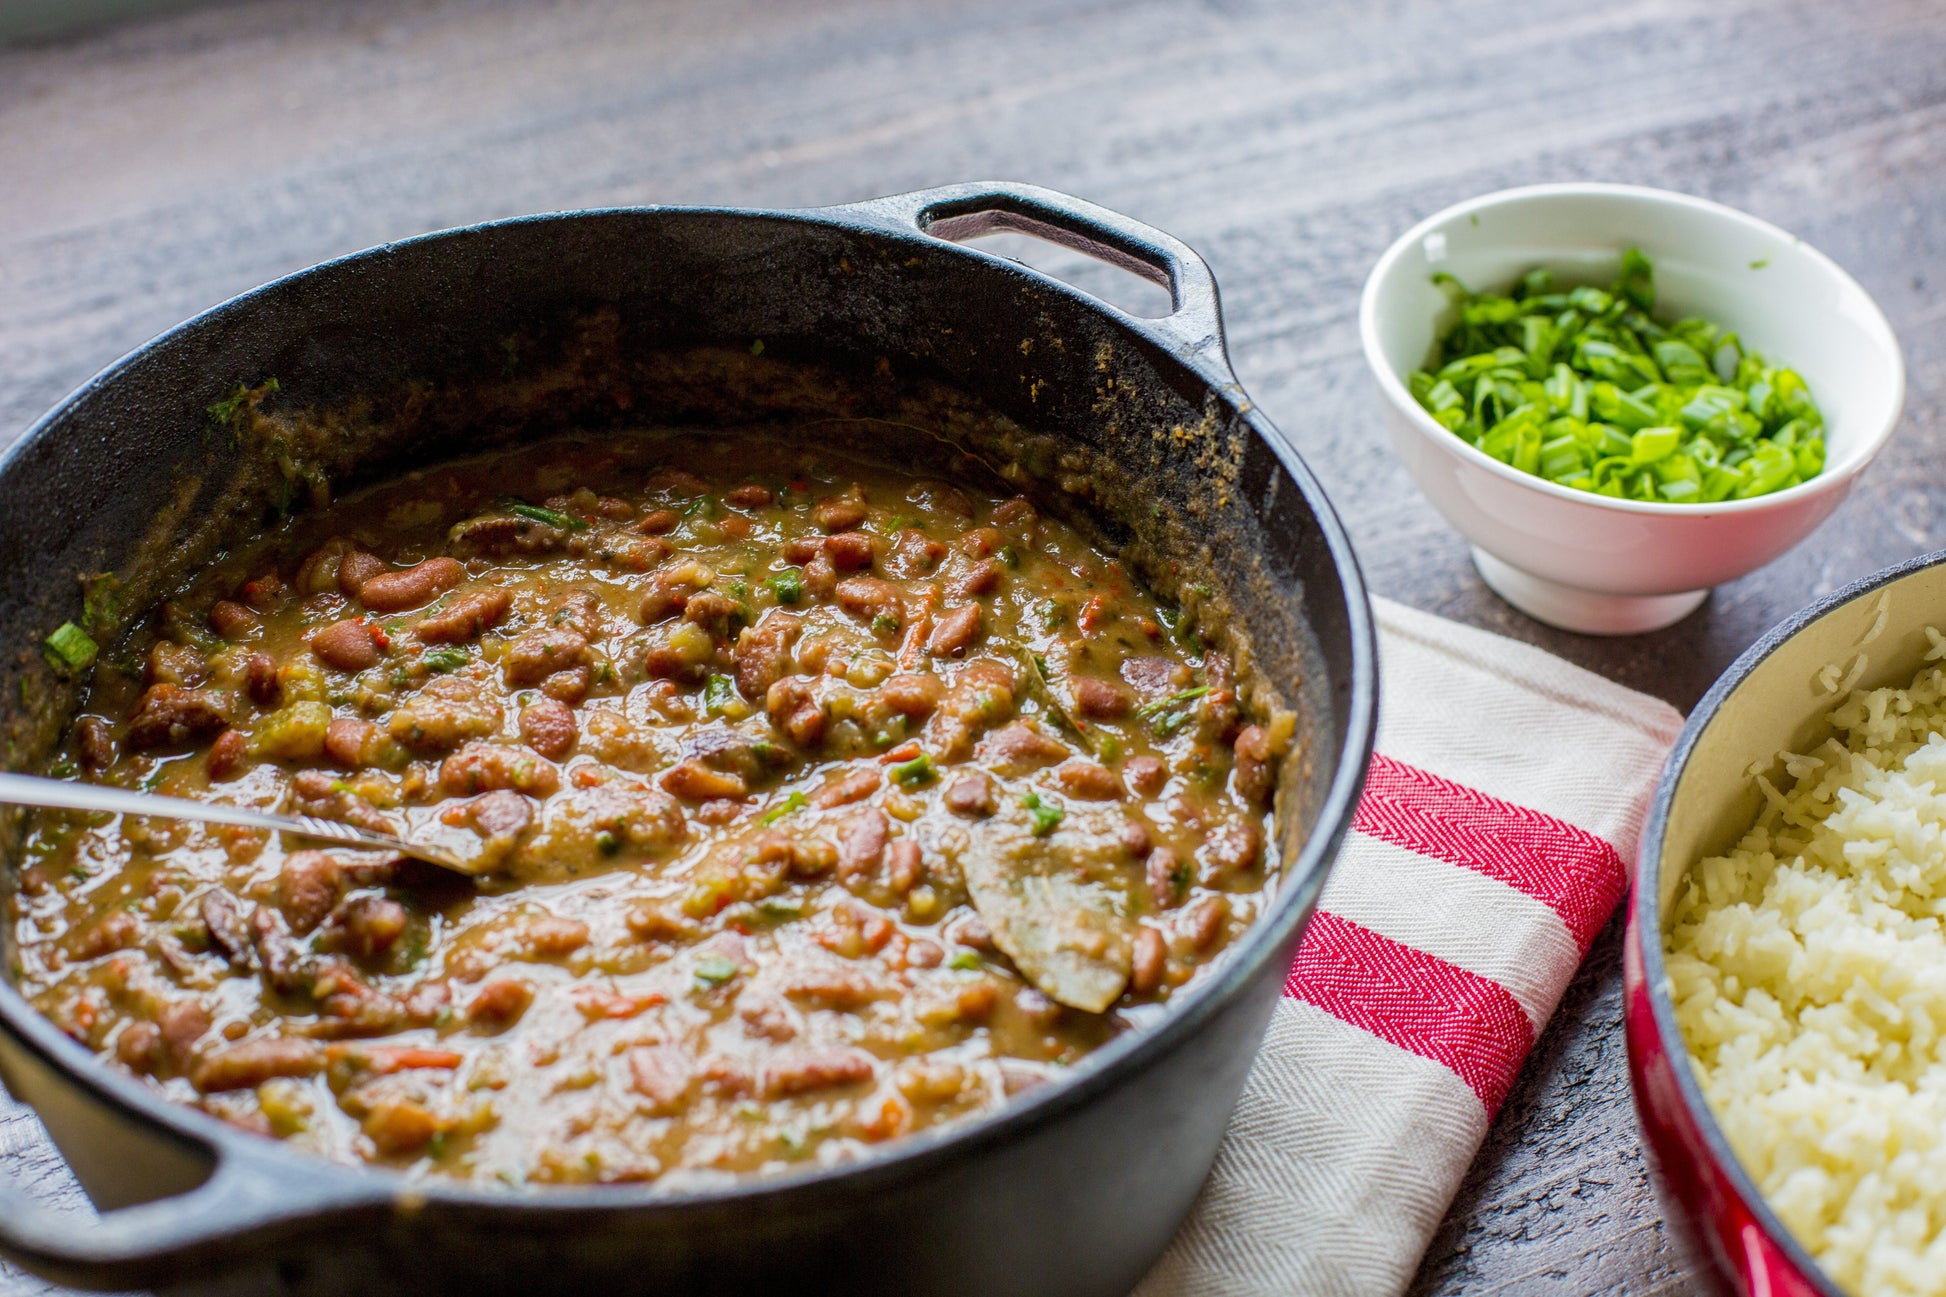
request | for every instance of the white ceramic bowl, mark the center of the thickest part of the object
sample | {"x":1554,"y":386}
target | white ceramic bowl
{"x":1587,"y":562}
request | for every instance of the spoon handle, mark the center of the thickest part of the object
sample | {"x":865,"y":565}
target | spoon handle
{"x":32,"y":790}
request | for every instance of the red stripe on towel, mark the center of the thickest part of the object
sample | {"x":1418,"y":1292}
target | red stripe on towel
{"x":1416,"y":1001}
{"x":1570,"y":870}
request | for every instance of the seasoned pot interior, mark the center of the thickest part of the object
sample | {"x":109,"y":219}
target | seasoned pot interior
{"x":1166,"y":498}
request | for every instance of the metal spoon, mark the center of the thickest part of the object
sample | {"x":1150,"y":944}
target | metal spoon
{"x":30,"y":790}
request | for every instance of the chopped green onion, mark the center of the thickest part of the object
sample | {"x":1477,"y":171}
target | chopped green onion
{"x":69,"y":650}
{"x":535,"y":513}
{"x":446,"y":658}
{"x":787,"y":585}
{"x":967,"y":961}
{"x":1149,"y":711}
{"x":719,"y":695}
{"x":714,"y":970}
{"x":1587,"y":390}
{"x":795,"y":801}
{"x":1046,"y":816}
{"x":914,"y":773}
{"x":884,"y":624}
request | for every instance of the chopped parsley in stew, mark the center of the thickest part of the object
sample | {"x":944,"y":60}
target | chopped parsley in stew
{"x":817,"y":804}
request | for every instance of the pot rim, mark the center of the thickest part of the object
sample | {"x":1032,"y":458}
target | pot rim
{"x":1646,"y":907}
{"x":902,"y":219}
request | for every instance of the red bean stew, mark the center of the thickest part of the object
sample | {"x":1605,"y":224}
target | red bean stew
{"x":818,"y":804}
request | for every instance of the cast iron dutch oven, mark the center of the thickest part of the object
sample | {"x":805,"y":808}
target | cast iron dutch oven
{"x":1772,"y":699}
{"x":1073,"y":1189}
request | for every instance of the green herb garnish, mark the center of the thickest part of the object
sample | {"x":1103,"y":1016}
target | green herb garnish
{"x":1149,"y":711}
{"x":793,"y":801}
{"x":1588,"y":390}
{"x":447,"y":657}
{"x":1046,"y":815}
{"x":967,"y":961}
{"x":787,"y":585}
{"x":719,"y":695}
{"x":914,"y":773}
{"x":884,"y":624}
{"x":714,"y":970}
{"x":69,"y":650}
{"x":534,"y":513}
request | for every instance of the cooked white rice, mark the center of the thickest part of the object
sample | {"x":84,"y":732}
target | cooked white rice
{"x":1808,"y":968}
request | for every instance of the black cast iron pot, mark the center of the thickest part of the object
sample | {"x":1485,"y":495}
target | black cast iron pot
{"x":1073,"y":1189}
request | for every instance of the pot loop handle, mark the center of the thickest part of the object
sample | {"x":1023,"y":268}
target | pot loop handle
{"x":1193,"y":329}
{"x":247,"y":1204}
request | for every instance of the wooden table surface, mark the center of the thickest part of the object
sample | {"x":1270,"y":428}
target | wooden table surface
{"x":153,"y":169}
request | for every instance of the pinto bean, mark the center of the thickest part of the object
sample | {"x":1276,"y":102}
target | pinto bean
{"x":356,"y":568}
{"x":956,"y":631}
{"x":669,"y":589}
{"x":1253,"y":767}
{"x":499,"y":1004}
{"x":659,"y":522}
{"x":763,"y":652}
{"x":1088,"y":781}
{"x":801,"y":1071}
{"x":849,"y":550}
{"x":662,"y":1074}
{"x":903,"y":866}
{"x":1203,"y":923}
{"x":482,"y":767}
{"x":794,"y":709}
{"x":227,"y":754}
{"x":980,"y":579}
{"x":415,"y":587}
{"x":749,"y":496}
{"x":347,"y":740}
{"x":94,"y":739}
{"x":677,"y":482}
{"x":137,"y":1045}
{"x":169,"y":715}
{"x":579,"y":611}
{"x":231,"y":620}
{"x":912,"y":694}
{"x":840,"y":512}
{"x":693,"y":780}
{"x":1145,"y":775}
{"x":260,"y":679}
{"x":973,"y":793}
{"x":713,"y":612}
{"x":250,"y":1064}
{"x":548,"y":727}
{"x":915,"y":554}
{"x":820,"y":576}
{"x":870,"y":600}
{"x":1166,"y":883}
{"x":861,"y":842}
{"x":467,"y":617}
{"x":1017,"y":512}
{"x":1152,"y":676}
{"x":308,"y":887}
{"x":802,"y":549}
{"x":1232,"y":848}
{"x":854,"y":786}
{"x":981,"y":695}
{"x":979,"y":542}
{"x":1102,"y":700}
{"x":547,"y":936}
{"x":347,"y":645}
{"x":540,"y":653}
{"x":367,"y":926}
{"x":181,"y":1025}
{"x":1019,"y":748}
{"x":1148,"y":961}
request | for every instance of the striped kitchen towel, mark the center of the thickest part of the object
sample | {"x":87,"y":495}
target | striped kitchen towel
{"x":1494,"y":839}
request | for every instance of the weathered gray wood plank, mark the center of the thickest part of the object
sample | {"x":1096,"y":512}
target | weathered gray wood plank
{"x":154,"y":169}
